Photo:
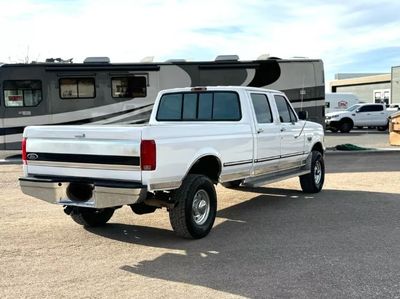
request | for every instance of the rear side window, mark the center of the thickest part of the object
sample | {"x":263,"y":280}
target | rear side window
{"x":286,"y":114}
{"x":261,"y":108}
{"x":22,"y":93}
{"x":203,"y":106}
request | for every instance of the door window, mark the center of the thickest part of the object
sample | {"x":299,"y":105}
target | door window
{"x":371,"y":108}
{"x":286,"y":114}
{"x":262,"y":108}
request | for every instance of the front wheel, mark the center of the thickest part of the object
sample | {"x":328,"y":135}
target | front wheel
{"x":333,"y":129}
{"x":196,"y":206}
{"x":91,"y":217}
{"x":313,"y":181}
{"x":346,"y":126}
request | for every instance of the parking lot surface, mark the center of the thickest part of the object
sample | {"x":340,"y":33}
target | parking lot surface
{"x":273,"y":241}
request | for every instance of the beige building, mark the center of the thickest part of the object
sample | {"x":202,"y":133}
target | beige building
{"x":369,"y":88}
{"x":395,"y":90}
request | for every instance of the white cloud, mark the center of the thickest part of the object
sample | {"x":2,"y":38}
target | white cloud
{"x":130,"y":30}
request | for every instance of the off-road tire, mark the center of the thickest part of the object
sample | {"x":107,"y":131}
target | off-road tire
{"x":232,"y":184}
{"x":309,"y":183}
{"x":91,"y":217}
{"x":182,"y":215}
{"x":346,"y":126}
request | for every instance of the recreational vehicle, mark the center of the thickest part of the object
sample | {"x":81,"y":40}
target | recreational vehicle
{"x":99,"y":92}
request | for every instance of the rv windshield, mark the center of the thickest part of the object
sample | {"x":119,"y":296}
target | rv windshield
{"x":352,"y":108}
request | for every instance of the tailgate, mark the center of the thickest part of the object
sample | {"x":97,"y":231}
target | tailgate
{"x":104,"y":152}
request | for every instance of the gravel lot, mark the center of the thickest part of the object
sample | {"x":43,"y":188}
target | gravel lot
{"x":267,"y":242}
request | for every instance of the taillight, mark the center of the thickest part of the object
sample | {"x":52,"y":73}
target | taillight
{"x":148,"y":155}
{"x":23,"y":146}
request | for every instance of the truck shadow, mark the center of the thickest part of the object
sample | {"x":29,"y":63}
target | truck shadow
{"x":363,"y":162}
{"x":280,"y":243}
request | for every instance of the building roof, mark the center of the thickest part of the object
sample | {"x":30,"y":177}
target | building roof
{"x":362,"y":80}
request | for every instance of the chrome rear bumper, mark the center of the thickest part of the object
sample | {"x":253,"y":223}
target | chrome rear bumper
{"x":104,"y":194}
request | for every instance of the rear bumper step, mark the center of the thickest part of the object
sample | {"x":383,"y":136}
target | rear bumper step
{"x":98,"y":193}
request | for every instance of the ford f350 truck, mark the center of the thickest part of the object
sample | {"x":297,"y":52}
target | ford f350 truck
{"x":196,"y":138}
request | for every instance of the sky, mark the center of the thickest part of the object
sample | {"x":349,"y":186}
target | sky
{"x":349,"y":36}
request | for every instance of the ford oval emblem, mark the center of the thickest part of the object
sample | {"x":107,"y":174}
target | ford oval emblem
{"x":32,"y":156}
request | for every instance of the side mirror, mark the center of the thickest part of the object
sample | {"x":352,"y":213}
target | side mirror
{"x":358,"y":111}
{"x":303,"y":115}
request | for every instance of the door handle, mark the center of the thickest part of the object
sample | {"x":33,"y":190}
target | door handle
{"x":283,"y":129}
{"x":260,"y":130}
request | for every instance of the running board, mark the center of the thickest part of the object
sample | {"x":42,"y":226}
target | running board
{"x":273,"y":177}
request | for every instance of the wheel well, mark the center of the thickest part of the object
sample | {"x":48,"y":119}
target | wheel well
{"x":347,"y":119}
{"x":318,"y":147}
{"x":209,"y":166}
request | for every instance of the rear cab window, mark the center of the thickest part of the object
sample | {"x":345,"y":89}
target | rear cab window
{"x":199,"y":106}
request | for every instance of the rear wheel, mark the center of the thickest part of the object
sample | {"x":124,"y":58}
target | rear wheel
{"x":383,"y":128}
{"x":196,"y":207}
{"x":313,"y":181}
{"x":91,"y":217}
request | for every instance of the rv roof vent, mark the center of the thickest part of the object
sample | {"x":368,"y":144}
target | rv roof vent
{"x":299,"y":57}
{"x":263,"y":57}
{"x":227,"y":58}
{"x":176,"y":60}
{"x":97,"y":60}
{"x":147,"y":59}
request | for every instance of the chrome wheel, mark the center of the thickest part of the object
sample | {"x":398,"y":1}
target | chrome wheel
{"x":200,"y":207}
{"x":317,"y":172}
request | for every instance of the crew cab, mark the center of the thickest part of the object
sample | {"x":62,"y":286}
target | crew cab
{"x":196,"y":138}
{"x":358,"y":115}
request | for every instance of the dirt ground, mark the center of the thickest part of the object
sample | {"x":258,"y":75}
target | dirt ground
{"x":266,"y":242}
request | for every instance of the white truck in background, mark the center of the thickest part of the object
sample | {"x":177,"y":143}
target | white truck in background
{"x":196,"y":138}
{"x":339,"y":101}
{"x":359,"y":115}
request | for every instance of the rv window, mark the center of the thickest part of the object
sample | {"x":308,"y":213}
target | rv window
{"x":129,"y":87}
{"x":22,"y":93}
{"x":77,"y":88}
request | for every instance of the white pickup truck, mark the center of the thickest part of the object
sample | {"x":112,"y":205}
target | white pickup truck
{"x":359,"y":115}
{"x":196,"y":138}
